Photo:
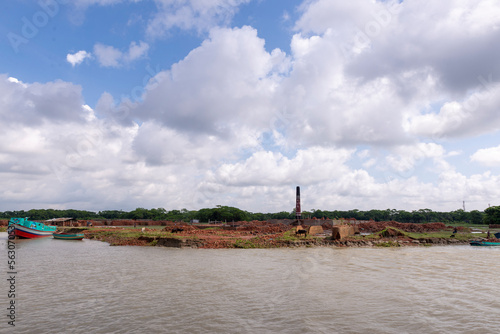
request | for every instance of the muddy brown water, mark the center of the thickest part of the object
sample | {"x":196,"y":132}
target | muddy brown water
{"x":91,"y":287}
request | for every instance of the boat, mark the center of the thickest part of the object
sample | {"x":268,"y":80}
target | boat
{"x":484,"y":243}
{"x":68,"y":236}
{"x":24,"y":228}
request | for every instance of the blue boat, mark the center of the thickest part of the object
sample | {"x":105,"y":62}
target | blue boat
{"x":484,"y":243}
{"x":24,"y":228}
{"x":69,"y":236}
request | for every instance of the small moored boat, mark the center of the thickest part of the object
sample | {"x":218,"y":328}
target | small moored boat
{"x":68,"y":236}
{"x":484,"y":243}
{"x":24,"y":228}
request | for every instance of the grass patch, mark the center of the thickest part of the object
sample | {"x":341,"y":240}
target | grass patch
{"x":445,"y":235}
{"x":478,"y":226}
{"x":239,"y":243}
{"x":291,"y":236}
{"x":288,"y":236}
{"x":365,"y":237}
{"x":387,"y":244}
{"x":386,"y":232}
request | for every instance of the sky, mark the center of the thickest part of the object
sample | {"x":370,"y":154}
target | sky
{"x":120,"y":104}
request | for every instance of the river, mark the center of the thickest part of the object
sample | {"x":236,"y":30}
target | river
{"x":90,"y":287}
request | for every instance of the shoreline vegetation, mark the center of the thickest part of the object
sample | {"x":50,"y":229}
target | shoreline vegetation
{"x":265,"y":235}
{"x":227,"y":213}
{"x":230,"y":227}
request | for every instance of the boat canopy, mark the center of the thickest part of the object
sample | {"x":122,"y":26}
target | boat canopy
{"x":31,"y":224}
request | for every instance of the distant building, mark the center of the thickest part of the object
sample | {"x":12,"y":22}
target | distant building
{"x":62,"y":222}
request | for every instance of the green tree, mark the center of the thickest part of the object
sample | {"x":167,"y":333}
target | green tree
{"x":476,"y":217}
{"x":112,"y":214}
{"x":492,"y":215}
{"x":140,"y":213}
{"x":459,"y":215}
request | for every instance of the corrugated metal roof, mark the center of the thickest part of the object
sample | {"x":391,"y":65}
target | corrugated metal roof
{"x":55,"y":220}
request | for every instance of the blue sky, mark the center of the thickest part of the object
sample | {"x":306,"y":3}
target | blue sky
{"x":118,"y":104}
{"x":69,"y":28}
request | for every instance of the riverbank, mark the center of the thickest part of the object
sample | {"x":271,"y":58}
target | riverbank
{"x":217,"y":237}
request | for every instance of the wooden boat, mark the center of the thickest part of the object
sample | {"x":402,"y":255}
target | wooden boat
{"x":68,"y":236}
{"x":484,"y":243}
{"x":24,"y":228}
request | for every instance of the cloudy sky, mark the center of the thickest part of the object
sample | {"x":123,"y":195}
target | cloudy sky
{"x":119,"y":104}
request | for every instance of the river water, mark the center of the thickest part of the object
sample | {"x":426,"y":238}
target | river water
{"x":91,"y":287}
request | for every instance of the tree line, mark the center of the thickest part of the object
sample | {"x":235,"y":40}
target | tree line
{"x":227,"y":213}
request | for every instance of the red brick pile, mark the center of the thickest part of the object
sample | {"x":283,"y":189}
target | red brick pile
{"x":327,"y":226}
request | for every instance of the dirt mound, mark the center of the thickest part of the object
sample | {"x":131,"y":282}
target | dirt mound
{"x":327,"y":226}
{"x":185,"y":227}
{"x":390,"y":232}
{"x":73,"y":230}
{"x":265,"y":228}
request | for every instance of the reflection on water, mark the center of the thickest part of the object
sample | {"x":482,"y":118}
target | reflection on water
{"x":89,"y":287}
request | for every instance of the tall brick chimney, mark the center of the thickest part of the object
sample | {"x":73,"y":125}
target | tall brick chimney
{"x":298,"y":213}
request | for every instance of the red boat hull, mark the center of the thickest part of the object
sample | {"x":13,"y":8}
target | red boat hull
{"x":29,"y":233}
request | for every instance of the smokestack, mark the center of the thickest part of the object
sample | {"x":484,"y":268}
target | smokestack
{"x":298,"y":213}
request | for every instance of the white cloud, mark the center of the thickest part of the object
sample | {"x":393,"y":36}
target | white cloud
{"x":201,"y":15}
{"x":309,"y":166}
{"x":136,"y":51}
{"x":322,"y":15}
{"x":15,"y":80}
{"x":487,"y":156}
{"x":232,"y":77}
{"x":36,"y":103}
{"x":163,"y":165}
{"x":109,"y":56}
{"x":407,"y":157}
{"x":198,"y":15}
{"x":478,"y":113}
{"x":86,"y":3}
{"x":78,"y":57}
